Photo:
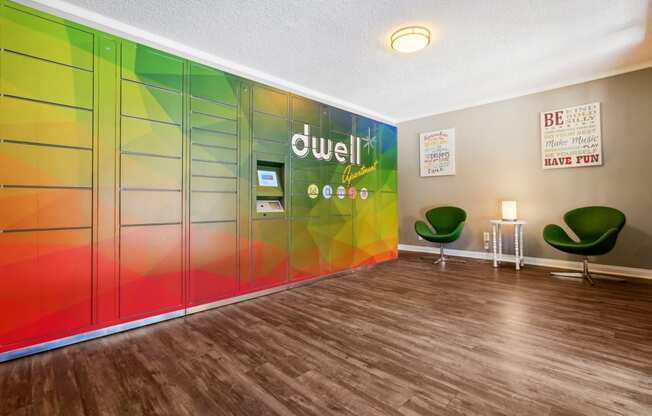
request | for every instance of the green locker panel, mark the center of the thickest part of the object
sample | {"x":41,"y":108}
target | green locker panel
{"x":305,"y":259}
{"x":147,"y":172}
{"x":389,"y":223}
{"x":212,"y":206}
{"x":270,"y":146}
{"x":150,"y":207}
{"x":212,"y":138}
{"x":341,"y":240}
{"x":266,"y":100}
{"x":305,"y":111}
{"x":151,"y":103}
{"x":207,"y":184}
{"x":150,"y":137}
{"x":301,"y":205}
{"x":44,"y":123}
{"x":39,"y":80}
{"x":366,"y":229}
{"x":269,"y":253}
{"x":213,"y":84}
{"x":270,"y":128}
{"x":214,"y":109}
{"x":229,"y":170}
{"x":340,"y":121}
{"x":387,"y":156}
{"x":216,"y":124}
{"x":44,"y":166}
{"x":205,"y":153}
{"x":43,"y":38}
{"x":149,"y":66}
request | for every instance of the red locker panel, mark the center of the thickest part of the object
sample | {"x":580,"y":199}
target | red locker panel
{"x":213,"y":261}
{"x":46,"y":284}
{"x":150,"y":270}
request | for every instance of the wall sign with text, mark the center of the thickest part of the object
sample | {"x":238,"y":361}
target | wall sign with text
{"x":437,"y":153}
{"x":571,"y":137}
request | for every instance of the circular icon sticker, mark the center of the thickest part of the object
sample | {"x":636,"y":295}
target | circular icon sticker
{"x":364,"y":193}
{"x":327,"y":191}
{"x":341,"y":192}
{"x":352,"y":192}
{"x":313,"y":191}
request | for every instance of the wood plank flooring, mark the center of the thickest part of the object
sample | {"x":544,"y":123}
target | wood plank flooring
{"x":405,"y":338}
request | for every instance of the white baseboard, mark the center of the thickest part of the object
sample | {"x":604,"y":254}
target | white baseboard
{"x":538,"y":261}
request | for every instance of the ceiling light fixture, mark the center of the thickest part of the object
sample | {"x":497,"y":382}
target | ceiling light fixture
{"x":410,"y":39}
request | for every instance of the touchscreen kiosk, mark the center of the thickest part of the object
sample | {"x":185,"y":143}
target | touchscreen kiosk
{"x":269,"y":188}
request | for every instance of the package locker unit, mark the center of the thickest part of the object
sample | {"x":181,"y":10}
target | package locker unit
{"x":128,"y":185}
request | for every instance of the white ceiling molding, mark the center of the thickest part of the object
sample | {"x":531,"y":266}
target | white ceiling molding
{"x":114,"y":27}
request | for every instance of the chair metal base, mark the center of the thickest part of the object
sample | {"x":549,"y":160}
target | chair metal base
{"x":443,"y":259}
{"x":585,"y":274}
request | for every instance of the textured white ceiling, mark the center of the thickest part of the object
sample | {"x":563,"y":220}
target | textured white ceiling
{"x":337,"y":50}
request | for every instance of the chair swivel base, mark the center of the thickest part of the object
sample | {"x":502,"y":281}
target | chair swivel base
{"x":585,"y":274}
{"x":443,"y":259}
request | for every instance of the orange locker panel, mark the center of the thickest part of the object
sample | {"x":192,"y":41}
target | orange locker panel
{"x":32,"y":208}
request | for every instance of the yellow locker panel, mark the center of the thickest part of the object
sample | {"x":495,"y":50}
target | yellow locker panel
{"x":35,"y":79}
{"x":270,"y":101}
{"x":150,"y":207}
{"x":145,"y":136}
{"x":53,"y":41}
{"x":35,"y":122}
{"x":146,"y":172}
{"x":44,"y":166}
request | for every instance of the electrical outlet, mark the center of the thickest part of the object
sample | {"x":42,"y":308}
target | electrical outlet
{"x":485,"y":239}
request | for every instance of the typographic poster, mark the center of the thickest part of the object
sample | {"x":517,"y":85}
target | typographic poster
{"x":571,"y":137}
{"x":437,"y":153}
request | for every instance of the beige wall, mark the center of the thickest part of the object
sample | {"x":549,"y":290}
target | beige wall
{"x":498,"y":157}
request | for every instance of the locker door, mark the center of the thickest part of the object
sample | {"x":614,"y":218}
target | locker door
{"x":213,"y":185}
{"x":46,"y":123}
{"x":151,"y":182}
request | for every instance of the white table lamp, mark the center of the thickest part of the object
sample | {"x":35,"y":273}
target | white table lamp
{"x":509,"y":211}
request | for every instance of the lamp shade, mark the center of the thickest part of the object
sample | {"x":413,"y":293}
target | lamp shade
{"x":509,"y":210}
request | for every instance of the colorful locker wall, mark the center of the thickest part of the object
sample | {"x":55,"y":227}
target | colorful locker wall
{"x":126,"y":184}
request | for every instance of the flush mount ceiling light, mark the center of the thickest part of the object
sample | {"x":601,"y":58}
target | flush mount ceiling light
{"x":410,"y":39}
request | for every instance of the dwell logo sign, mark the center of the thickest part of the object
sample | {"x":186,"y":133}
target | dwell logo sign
{"x":325,"y":149}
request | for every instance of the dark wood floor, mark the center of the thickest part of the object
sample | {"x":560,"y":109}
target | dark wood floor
{"x":405,"y":338}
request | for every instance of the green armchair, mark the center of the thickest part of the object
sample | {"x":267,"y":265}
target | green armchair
{"x":597,"y":229}
{"x":447,"y":222}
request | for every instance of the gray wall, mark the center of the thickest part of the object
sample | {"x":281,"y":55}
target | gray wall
{"x":499,"y":158}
